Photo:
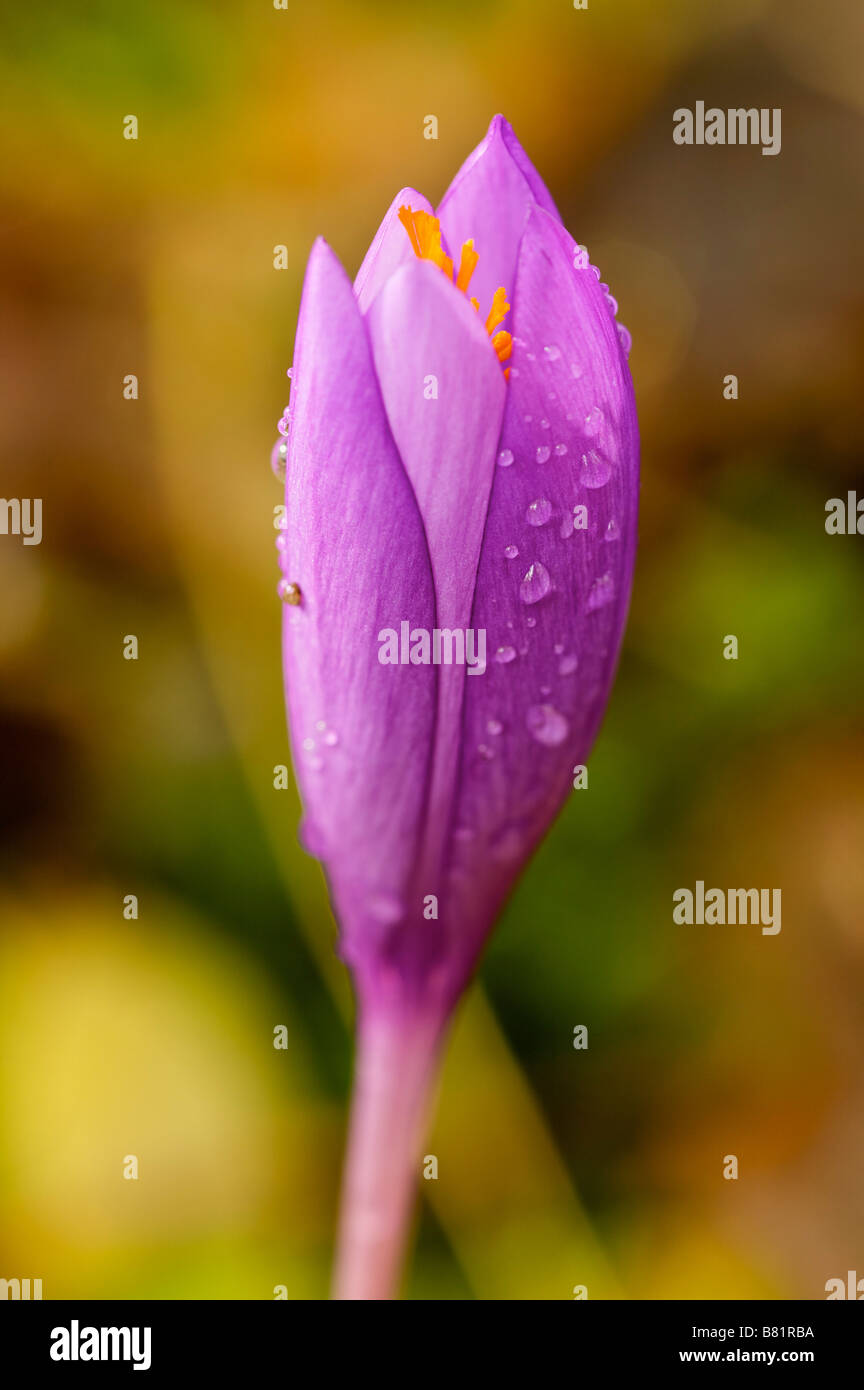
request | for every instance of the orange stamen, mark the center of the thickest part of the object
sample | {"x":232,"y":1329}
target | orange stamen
{"x":503,"y":345}
{"x":498,"y":312}
{"x":424,"y":233}
{"x":467,"y":262}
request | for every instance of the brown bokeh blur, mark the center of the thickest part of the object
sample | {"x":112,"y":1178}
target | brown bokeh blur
{"x":154,"y":1036}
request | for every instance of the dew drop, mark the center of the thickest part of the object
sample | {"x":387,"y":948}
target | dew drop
{"x":566,"y":527}
{"x":567,"y":665}
{"x":560,"y":450}
{"x":511,"y":551}
{"x":530,"y":622}
{"x":543,"y":453}
{"x":602,"y":591}
{"x":311,"y":838}
{"x":544,"y":424}
{"x":575,"y":370}
{"x":494,"y":727}
{"x":626,"y":339}
{"x":536,"y":584}
{"x":552,"y":352}
{"x":532,"y":356}
{"x":331,"y":738}
{"x":289,"y":592}
{"x":514,"y":371}
{"x":281,"y":543}
{"x":596,"y":470}
{"x":386,"y":908}
{"x":308,"y":744}
{"x":593,"y":421}
{"x":546,"y":725}
{"x":506,"y":846}
{"x":505,"y":458}
{"x":612,"y":302}
{"x":504,"y":655}
{"x":539,"y":512}
{"x":611,"y":533}
{"x":321,"y":725}
{"x":527,"y":419}
{"x":558,"y":648}
{"x":485,"y":752}
{"x":278,"y":455}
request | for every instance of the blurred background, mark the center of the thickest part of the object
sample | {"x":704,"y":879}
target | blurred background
{"x":153,"y":1036}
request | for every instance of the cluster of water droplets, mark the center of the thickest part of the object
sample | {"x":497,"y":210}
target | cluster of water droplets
{"x":581,"y":261}
{"x":280,"y":448}
{"x":592,"y":471}
{"x":314,"y":750}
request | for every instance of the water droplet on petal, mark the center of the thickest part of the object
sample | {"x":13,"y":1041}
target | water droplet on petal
{"x":611,"y":531}
{"x":530,"y":622}
{"x":567,"y":665}
{"x":544,"y":424}
{"x":507,"y":846}
{"x":308,"y":744}
{"x":536,"y":584}
{"x":566,"y":527}
{"x":560,"y":450}
{"x":494,"y":727}
{"x":552,"y":352}
{"x":602,"y":591}
{"x":527,"y":419}
{"x":539,"y":512}
{"x":543,"y":453}
{"x":575,"y":370}
{"x":311,"y":838}
{"x":593,"y":421}
{"x":626,"y":339}
{"x":386,"y":908}
{"x":504,"y":655}
{"x":289,"y":593}
{"x":546,"y":725}
{"x":505,"y":458}
{"x":331,"y":738}
{"x":511,"y":551}
{"x":321,"y":725}
{"x":485,"y":752}
{"x":278,"y":455}
{"x":558,"y":648}
{"x":612,"y":302}
{"x":596,"y":470}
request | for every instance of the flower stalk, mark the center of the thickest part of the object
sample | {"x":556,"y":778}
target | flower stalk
{"x":397,"y":1065}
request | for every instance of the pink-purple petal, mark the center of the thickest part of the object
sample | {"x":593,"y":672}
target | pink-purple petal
{"x":391,"y":248}
{"x":559,"y":607}
{"x":489,"y":201}
{"x":355,"y":546}
{"x":444,"y":392}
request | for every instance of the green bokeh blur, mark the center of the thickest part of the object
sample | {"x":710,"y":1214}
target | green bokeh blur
{"x":154,"y":1037}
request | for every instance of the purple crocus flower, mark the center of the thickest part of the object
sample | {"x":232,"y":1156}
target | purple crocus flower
{"x":467,"y":474}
